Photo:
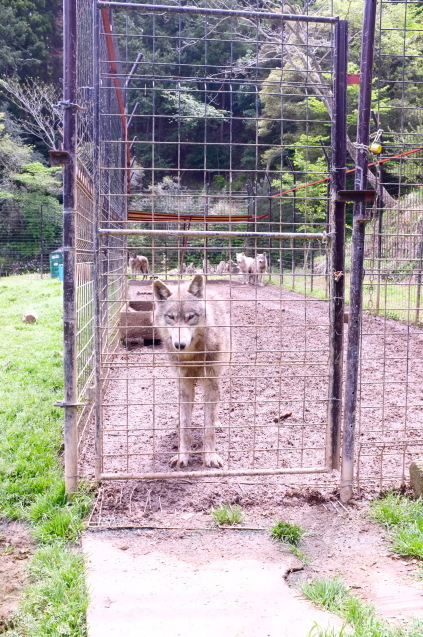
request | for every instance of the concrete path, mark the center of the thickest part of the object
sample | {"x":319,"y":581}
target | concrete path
{"x":212,"y":584}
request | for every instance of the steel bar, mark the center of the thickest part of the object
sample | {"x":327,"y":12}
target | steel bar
{"x":69,"y":241}
{"x":208,"y":233}
{"x":358,"y":234}
{"x":337,"y":225}
{"x":263,"y":15}
{"x":96,"y":249}
{"x":168,"y":475}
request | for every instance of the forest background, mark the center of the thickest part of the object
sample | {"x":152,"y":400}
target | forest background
{"x":30,"y":124}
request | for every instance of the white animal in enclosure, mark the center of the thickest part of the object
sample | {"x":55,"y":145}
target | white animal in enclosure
{"x":194,"y":326}
{"x":232,"y":267}
{"x":245,"y":265}
{"x":138,"y":265}
{"x":259,"y":268}
{"x":221,"y":268}
{"x":190,"y":268}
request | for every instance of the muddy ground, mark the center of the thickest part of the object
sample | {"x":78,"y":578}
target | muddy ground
{"x":279,"y":368}
{"x":274,"y":398}
{"x":16,"y":547}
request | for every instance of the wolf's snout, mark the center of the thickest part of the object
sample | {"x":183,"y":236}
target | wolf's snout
{"x":180,"y":345}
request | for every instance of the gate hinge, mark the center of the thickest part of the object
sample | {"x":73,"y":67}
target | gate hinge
{"x":63,"y":403}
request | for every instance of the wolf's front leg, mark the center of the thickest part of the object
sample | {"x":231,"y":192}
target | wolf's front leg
{"x":186,"y":403}
{"x":211,"y":396}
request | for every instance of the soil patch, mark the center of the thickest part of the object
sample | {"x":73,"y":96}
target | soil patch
{"x":16,"y":547}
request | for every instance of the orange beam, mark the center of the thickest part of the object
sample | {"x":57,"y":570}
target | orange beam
{"x":351,"y":170}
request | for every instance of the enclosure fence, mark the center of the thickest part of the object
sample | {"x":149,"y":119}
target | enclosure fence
{"x":200,"y":135}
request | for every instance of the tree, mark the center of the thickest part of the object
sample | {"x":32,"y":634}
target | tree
{"x":26,"y":187}
{"x":33,"y":44}
{"x":37,"y":101}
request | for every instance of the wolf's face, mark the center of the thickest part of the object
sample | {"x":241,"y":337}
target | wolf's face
{"x":180,"y":312}
{"x":261,"y":261}
{"x":240,"y":256}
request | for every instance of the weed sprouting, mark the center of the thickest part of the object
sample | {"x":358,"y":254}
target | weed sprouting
{"x":227,"y":514}
{"x":287,"y":533}
{"x":403,"y":518}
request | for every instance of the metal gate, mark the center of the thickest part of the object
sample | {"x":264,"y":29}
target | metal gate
{"x":202,"y":135}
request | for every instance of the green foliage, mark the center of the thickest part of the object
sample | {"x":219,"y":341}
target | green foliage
{"x":31,"y":480}
{"x":29,"y":200}
{"x":31,"y":473}
{"x":12,"y":40}
{"x":287,"y":533}
{"x":55,"y":602}
{"x":32,"y":30}
{"x":403,"y":518}
{"x":227,"y":514}
{"x":361,"y":619}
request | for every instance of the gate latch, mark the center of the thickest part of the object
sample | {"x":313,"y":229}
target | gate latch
{"x":63,"y":403}
{"x":64,"y":104}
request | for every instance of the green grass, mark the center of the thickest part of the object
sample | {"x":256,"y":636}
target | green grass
{"x":360,"y":618}
{"x":393,"y":300}
{"x":403,"y":518}
{"x":290,"y":535}
{"x":227,"y":514}
{"x":56,"y":599}
{"x":31,"y":438}
{"x":287,"y":533}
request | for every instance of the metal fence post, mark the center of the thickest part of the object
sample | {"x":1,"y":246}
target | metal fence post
{"x":96,"y":241}
{"x":69,"y":203}
{"x":357,"y":257}
{"x":337,"y":225}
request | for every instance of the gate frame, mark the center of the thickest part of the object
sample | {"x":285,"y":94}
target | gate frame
{"x":336,"y":236}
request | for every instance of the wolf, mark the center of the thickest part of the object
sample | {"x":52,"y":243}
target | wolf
{"x":259,"y":268}
{"x":245,"y":264}
{"x":194,"y":327}
{"x":139,"y":265}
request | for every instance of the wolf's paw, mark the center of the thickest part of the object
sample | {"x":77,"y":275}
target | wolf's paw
{"x":180,"y":460}
{"x":212,"y":459}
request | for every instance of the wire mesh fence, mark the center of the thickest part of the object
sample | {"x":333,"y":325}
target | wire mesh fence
{"x":200,"y":204}
{"x":208,"y":135}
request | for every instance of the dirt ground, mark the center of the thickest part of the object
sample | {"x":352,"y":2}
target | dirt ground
{"x":278,"y":368}
{"x":16,"y":547}
{"x":273,"y":407}
{"x":340,"y":541}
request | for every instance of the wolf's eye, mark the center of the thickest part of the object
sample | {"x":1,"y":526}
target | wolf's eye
{"x":191,"y":317}
{"x":170,"y":317}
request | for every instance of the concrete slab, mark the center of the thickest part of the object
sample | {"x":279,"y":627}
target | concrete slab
{"x":141,"y":587}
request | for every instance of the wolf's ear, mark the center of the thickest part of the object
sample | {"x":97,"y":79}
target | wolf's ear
{"x":160,"y":291}
{"x":196,"y":287}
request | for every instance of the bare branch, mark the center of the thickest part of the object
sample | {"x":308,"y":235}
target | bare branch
{"x":37,"y":100}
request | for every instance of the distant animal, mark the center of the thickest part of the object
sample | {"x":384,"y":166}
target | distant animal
{"x":190,"y":268}
{"x":207,"y":267}
{"x":138,"y":265}
{"x":232,"y":267}
{"x":259,"y":269}
{"x":221,"y":268}
{"x":194,"y":327}
{"x":245,"y":265}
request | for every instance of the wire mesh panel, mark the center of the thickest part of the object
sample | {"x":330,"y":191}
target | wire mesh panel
{"x":390,"y":402}
{"x":229,"y":118}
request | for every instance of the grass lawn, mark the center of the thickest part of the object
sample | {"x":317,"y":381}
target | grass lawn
{"x":393,"y":300}
{"x":31,"y":474}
